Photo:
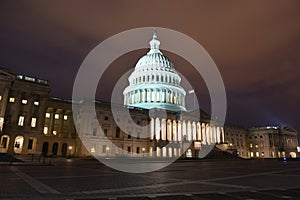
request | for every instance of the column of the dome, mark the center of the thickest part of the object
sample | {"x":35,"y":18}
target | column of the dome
{"x":203,"y":131}
{"x":189,"y":131}
{"x":148,"y":99}
{"x":223,"y":135}
{"x":143,"y":95}
{"x":218,"y":135}
{"x":163,"y":129}
{"x":207,"y":134}
{"x":169,"y":130}
{"x":160,"y":96}
{"x":194,"y":131}
{"x":152,"y":129}
{"x":157,"y":128}
{"x":179,"y":131}
{"x":174,"y":131}
{"x":213,"y":134}
{"x":184,"y":130}
{"x":198,"y":131}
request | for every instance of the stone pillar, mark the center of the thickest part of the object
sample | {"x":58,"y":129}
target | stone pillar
{"x":152,"y":128}
{"x":199,"y":131}
{"x":189,"y":131}
{"x":179,"y":131}
{"x":157,"y":129}
{"x":163,"y":129}
{"x":169,"y":130}
{"x":203,"y":131}
{"x":174,"y":131}
{"x":194,"y":131}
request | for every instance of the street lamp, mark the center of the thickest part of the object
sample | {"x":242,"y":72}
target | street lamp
{"x":143,"y":149}
{"x":107,"y":149}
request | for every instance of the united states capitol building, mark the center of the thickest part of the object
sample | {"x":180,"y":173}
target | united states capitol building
{"x":33,"y":123}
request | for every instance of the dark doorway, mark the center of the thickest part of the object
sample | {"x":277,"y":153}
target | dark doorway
{"x":45,"y":148}
{"x":54,"y":148}
{"x":64,"y":149}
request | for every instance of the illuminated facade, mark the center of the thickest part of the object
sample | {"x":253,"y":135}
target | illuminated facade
{"x":154,"y":82}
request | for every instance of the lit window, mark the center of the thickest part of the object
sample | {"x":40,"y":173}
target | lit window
{"x":65,"y":117}
{"x":48,"y":115}
{"x":21,"y":121}
{"x":56,"y":116}
{"x":256,"y":146}
{"x":1,"y":123}
{"x":257,"y":154}
{"x":33,"y":122}
{"x":45,"y":130}
{"x":250,"y":145}
{"x":11,"y":99}
{"x":54,"y":132}
{"x":24,"y":101}
{"x":36,"y":103}
{"x":0,"y":98}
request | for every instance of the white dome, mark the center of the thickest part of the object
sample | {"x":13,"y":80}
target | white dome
{"x":154,"y":83}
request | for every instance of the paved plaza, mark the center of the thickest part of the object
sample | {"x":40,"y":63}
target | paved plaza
{"x":205,"y":179}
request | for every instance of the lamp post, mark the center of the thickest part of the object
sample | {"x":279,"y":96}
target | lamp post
{"x":143,"y":149}
{"x":70,"y":151}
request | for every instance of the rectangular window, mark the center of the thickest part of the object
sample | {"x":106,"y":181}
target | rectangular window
{"x":33,"y":122}
{"x":65,"y":117}
{"x":56,"y":116}
{"x":0,"y":97}
{"x":48,"y":115}
{"x":45,"y":130}
{"x":11,"y":99}
{"x":138,"y":150}
{"x":24,"y":101}
{"x":129,"y":135}
{"x":105,"y":132}
{"x":94,"y":131}
{"x":54,"y":132}
{"x":21,"y":121}
{"x":106,"y":118}
{"x":36,"y":103}
{"x":30,"y":144}
{"x":117,"y":132}
{"x":129,"y":149}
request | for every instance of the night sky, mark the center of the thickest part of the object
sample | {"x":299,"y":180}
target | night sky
{"x":255,"y":44}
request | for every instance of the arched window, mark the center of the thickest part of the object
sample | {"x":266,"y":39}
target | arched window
{"x":157,"y":77}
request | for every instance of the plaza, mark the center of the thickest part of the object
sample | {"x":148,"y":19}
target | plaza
{"x":184,"y":179}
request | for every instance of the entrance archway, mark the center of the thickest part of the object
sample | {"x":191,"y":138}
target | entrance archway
{"x":45,"y":148}
{"x":4,"y":142}
{"x":18,"y":146}
{"x":54,"y":148}
{"x":64,"y":149}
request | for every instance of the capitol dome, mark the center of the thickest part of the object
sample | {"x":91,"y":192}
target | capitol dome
{"x":154,"y":82}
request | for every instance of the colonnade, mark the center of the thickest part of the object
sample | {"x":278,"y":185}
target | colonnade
{"x":154,"y":95}
{"x":185,"y":130}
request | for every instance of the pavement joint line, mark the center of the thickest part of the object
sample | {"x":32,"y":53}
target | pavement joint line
{"x":35,"y":184}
